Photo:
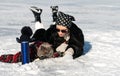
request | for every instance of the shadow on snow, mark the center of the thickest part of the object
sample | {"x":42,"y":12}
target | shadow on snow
{"x":87,"y":47}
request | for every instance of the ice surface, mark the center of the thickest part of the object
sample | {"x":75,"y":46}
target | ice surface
{"x":99,"y":20}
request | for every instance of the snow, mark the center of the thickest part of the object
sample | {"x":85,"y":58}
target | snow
{"x":99,"y":20}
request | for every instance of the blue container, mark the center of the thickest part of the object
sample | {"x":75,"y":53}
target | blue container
{"x":25,"y":52}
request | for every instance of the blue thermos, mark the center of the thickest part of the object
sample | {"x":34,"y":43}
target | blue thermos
{"x":25,"y":52}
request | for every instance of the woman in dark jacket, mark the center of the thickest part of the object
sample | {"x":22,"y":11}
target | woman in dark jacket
{"x":65,"y":36}
{"x":75,"y":41}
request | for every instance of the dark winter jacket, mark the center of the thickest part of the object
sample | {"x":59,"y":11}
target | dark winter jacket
{"x":76,"y":40}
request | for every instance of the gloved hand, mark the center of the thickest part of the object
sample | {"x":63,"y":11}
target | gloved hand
{"x":23,"y":38}
{"x":26,"y":32}
{"x":68,"y":54}
{"x":69,"y":51}
{"x":62,"y":47}
{"x":67,"y":57}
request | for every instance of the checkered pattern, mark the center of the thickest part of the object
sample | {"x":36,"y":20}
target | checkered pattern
{"x":64,"y":19}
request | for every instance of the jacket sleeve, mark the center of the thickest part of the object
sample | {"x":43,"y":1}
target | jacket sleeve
{"x":77,"y":51}
{"x":76,"y":40}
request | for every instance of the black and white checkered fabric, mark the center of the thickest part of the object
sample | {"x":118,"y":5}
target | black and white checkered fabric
{"x":64,"y":19}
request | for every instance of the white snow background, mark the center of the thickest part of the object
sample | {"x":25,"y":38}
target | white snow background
{"x":99,"y":20}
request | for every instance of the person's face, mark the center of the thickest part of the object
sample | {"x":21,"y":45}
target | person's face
{"x":61,"y":30}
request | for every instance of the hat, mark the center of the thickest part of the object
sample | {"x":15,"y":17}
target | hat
{"x":64,"y":19}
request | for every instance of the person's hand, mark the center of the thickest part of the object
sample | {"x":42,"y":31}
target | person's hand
{"x":67,"y":57}
{"x":69,"y":51}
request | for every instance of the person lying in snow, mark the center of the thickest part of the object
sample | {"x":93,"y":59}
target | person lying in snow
{"x":66,"y":37}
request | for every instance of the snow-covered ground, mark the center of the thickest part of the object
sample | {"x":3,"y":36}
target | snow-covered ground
{"x":99,"y":20}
